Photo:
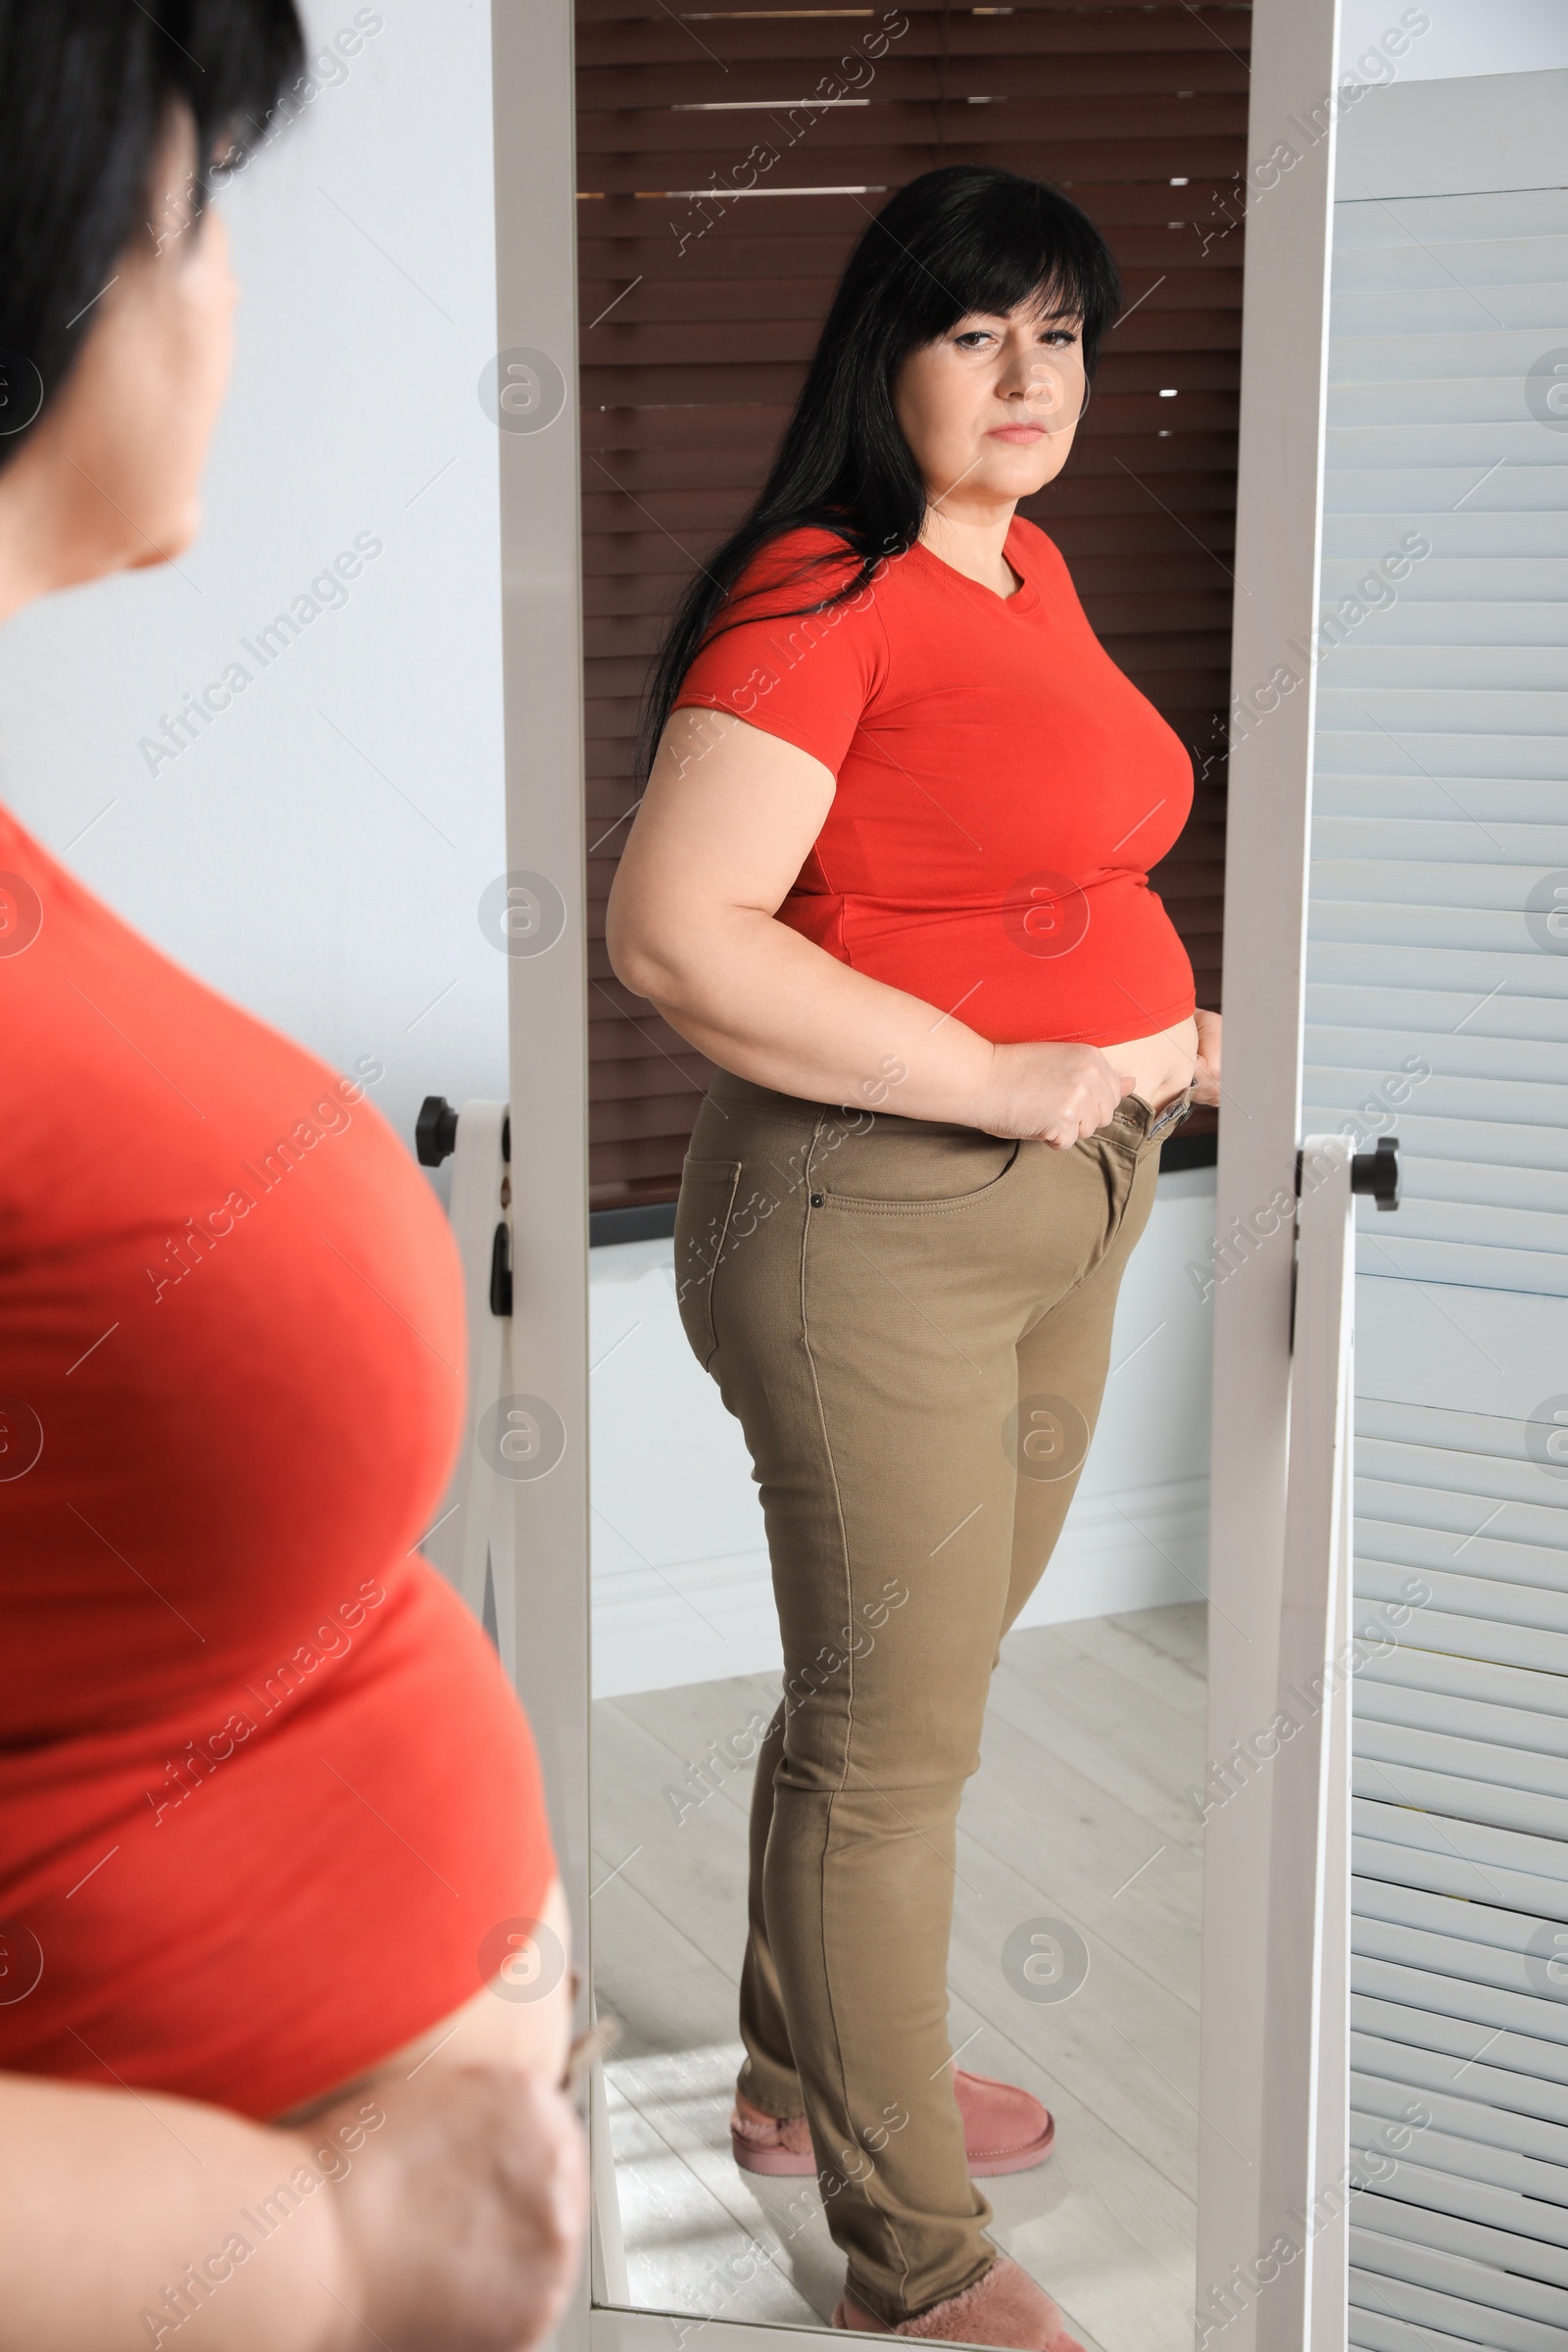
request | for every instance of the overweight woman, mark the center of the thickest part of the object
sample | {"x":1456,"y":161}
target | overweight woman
{"x":890,"y":875}
{"x":275,"y":1878}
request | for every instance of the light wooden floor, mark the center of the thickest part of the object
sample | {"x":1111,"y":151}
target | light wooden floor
{"x":1094,"y":1734}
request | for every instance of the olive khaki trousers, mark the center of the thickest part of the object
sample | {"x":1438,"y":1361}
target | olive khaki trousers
{"x":911,"y":1322}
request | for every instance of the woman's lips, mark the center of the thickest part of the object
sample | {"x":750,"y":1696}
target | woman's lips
{"x":1017,"y":432}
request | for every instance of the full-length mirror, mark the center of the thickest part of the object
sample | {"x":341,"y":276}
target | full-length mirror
{"x":909,"y":484}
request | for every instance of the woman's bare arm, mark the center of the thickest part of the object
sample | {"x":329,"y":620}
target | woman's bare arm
{"x":724,"y":827}
{"x":444,"y":2214}
{"x":113,"y":2198}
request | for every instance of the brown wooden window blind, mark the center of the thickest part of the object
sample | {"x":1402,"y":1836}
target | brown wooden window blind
{"x":728,"y":159}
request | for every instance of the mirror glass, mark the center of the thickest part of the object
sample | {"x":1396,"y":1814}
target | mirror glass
{"x":728,"y":162}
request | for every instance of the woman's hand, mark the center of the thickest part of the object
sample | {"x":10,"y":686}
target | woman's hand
{"x":462,"y":2216}
{"x":1205,"y":1077}
{"x":1050,"y":1094}
{"x":723,"y":830}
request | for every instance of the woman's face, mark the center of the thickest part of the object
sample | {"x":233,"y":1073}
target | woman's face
{"x":989,"y":408}
{"x":110,"y":476}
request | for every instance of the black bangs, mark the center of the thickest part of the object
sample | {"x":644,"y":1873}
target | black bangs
{"x":251,"y":55}
{"x":965,"y":240}
{"x":87,"y":88}
{"x":972,"y":239}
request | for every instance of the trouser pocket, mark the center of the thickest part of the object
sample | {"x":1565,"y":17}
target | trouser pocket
{"x":703,"y":1217}
{"x":893,"y":1164}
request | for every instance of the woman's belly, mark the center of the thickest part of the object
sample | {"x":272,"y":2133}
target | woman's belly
{"x":303,"y":1893}
{"x":521,"y":2016}
{"x":1161,"y":1067}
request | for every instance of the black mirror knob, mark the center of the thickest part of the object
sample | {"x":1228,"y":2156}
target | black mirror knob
{"x":1378,"y":1172}
{"x":435,"y":1131}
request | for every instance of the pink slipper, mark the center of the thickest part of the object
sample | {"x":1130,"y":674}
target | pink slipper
{"x":1006,"y":2129}
{"x":1003,"y":2306}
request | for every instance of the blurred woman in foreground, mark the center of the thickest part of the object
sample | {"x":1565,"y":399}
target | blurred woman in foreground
{"x":283,"y":1953}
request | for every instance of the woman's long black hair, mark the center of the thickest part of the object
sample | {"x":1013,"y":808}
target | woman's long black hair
{"x":86,"y":87}
{"x":966,"y":238}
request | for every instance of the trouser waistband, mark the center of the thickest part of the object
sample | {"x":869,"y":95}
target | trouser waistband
{"x":1134,"y":1119}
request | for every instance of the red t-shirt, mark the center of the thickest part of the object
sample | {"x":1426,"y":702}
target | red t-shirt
{"x":265,"y":1790}
{"x":1002,"y":789}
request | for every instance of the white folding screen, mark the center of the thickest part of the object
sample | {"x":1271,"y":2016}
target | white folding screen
{"x":1438,"y":1009}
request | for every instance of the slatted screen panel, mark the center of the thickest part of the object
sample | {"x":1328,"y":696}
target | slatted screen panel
{"x":728,"y":159}
{"x":1440,"y":838}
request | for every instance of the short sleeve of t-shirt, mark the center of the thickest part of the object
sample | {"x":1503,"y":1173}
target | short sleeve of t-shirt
{"x":804,"y":676}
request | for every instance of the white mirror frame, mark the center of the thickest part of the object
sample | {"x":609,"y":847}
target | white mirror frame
{"x":1284,"y":317}
{"x":546,"y":1561}
{"x":1285,"y":307}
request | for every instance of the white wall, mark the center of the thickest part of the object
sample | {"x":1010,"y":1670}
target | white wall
{"x":319,"y":851}
{"x":680,"y":1581}
{"x":1462,"y":36}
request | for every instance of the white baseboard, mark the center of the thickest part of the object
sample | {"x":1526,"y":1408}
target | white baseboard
{"x":695,"y":1622}
{"x":680,"y":1583}
{"x":1143,"y":1548}
{"x":700,"y":1621}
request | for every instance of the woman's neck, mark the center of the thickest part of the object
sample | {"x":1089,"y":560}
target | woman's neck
{"x":972,"y":542}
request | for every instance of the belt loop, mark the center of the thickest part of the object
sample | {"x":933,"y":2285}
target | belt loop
{"x":808,"y":1172}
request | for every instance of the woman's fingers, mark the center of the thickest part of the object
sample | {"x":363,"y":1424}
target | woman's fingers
{"x":1050,"y":1094}
{"x":1206,"y":1076}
